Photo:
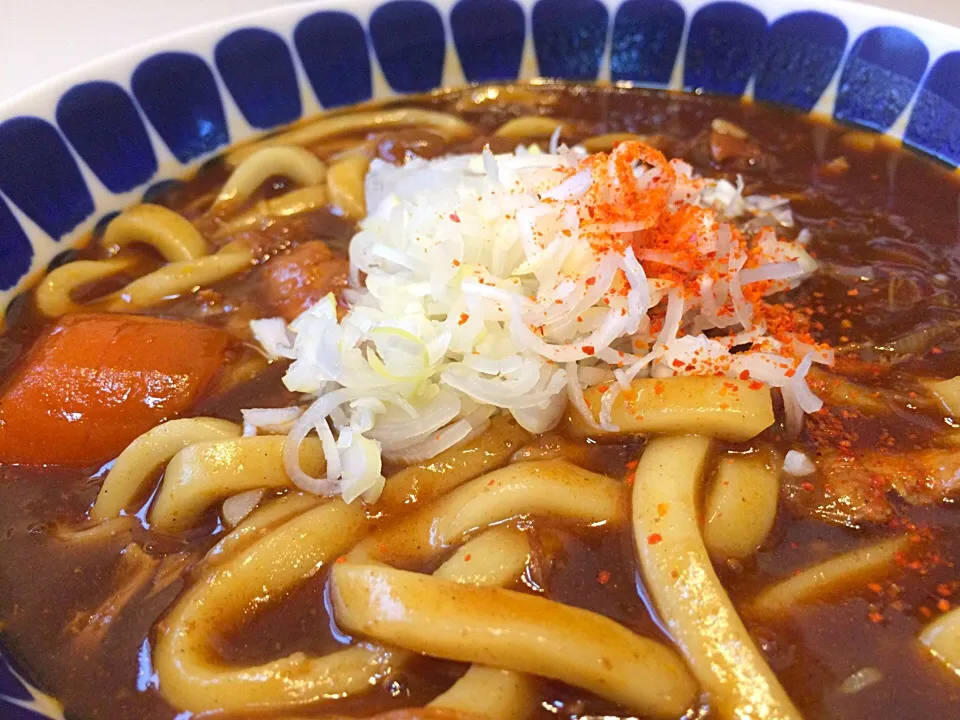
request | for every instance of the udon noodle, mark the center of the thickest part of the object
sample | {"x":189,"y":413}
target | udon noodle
{"x":546,"y":440}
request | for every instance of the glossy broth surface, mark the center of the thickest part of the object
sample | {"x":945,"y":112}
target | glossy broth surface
{"x":885,"y":230}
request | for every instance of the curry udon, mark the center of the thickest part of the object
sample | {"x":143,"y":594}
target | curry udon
{"x":508,"y":402}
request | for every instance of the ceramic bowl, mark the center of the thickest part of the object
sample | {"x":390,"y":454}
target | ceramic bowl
{"x":83,"y":146}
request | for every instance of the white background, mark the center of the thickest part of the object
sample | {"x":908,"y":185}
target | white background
{"x":41,"y":38}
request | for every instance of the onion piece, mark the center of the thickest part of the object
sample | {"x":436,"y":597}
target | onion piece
{"x":237,"y":507}
{"x":270,"y":420}
{"x":798,"y":464}
{"x":576,"y":397}
{"x":772,"y":271}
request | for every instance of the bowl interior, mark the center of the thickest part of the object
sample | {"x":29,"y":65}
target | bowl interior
{"x":78,"y":149}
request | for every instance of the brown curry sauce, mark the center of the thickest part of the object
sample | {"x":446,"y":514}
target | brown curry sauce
{"x":889,"y":210}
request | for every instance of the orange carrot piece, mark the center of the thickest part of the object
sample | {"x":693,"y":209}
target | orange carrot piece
{"x":94,"y":382}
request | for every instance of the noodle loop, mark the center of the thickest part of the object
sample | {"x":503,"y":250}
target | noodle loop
{"x":204,"y":473}
{"x":145,"y":455}
{"x":181,"y":277}
{"x":55,"y":294}
{"x":512,"y":630}
{"x":448,"y":126}
{"x":686,"y":590}
{"x":172,"y":235}
{"x":345,"y":185}
{"x":295,"y":163}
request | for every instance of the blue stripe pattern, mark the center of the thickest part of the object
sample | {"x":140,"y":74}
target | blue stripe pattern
{"x":935,"y":122}
{"x":723,"y":48}
{"x":40,"y":176}
{"x":333,"y":50}
{"x":409,"y":40}
{"x":16,"y":252}
{"x":880,"y":77}
{"x":728,"y":44}
{"x":258,"y":70}
{"x":570,"y":36}
{"x":803,"y":51}
{"x":179,"y":95}
{"x":488,"y":35}
{"x":646,"y":41}
{"x":102,"y":123}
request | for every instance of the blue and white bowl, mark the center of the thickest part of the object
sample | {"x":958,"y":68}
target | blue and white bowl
{"x":78,"y":149}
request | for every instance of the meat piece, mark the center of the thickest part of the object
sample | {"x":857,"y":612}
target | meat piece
{"x":94,"y":382}
{"x":134,"y":572}
{"x":839,"y":493}
{"x":725,"y":146}
{"x":920,"y":477}
{"x":138,"y":575}
{"x":399,"y":146}
{"x":273,"y":235}
{"x":855,"y":489}
{"x":839,"y":392}
{"x":295,"y":281}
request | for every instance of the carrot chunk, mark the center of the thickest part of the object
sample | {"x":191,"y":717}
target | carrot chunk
{"x":92,"y":383}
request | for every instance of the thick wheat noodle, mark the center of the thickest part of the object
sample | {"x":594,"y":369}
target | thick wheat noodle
{"x":193,"y":680}
{"x":717,"y":407}
{"x":54,"y":296}
{"x":448,"y":126}
{"x":531,"y":126}
{"x":272,"y":513}
{"x":169,"y":233}
{"x":490,"y":693}
{"x":606,"y":143}
{"x":292,"y":162}
{"x":185,"y":659}
{"x":205,"y":473}
{"x":427,"y":713}
{"x":824,"y":579}
{"x":420,"y":483}
{"x":272,"y":564}
{"x":494,"y":559}
{"x":514,"y":631}
{"x":554,"y":488}
{"x":741,"y":504}
{"x":345,"y":185}
{"x":138,"y":464}
{"x":270,"y":567}
{"x":686,"y":591}
{"x":289,"y":204}
{"x":177,"y":278}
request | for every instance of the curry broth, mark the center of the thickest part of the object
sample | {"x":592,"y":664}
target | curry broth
{"x":889,"y":211}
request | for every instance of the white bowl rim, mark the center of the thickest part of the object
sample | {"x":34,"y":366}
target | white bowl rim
{"x":22,"y":100}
